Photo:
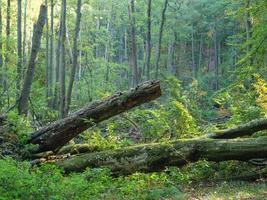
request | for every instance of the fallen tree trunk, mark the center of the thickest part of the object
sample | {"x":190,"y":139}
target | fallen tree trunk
{"x":155,"y":157}
{"x":242,"y":130}
{"x":60,"y":132}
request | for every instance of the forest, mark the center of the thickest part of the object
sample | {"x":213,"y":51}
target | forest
{"x":133,"y":99}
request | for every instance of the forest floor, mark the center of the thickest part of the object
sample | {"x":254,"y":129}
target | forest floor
{"x":227,"y":191}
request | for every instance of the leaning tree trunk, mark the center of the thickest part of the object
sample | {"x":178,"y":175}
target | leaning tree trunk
{"x":156,"y":157}
{"x":62,"y":131}
{"x":36,"y":43}
{"x":242,"y":130}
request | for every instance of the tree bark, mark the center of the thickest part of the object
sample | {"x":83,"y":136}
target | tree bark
{"x":148,"y":39}
{"x":135,"y":77}
{"x":62,"y":69}
{"x":75,"y":54}
{"x":51,"y":55}
{"x":156,"y":157}
{"x":36,"y":42}
{"x":242,"y":130}
{"x":163,"y":17}
{"x":19,"y":47}
{"x":57,"y":134}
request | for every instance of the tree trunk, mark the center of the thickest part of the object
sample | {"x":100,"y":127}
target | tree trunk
{"x":57,"y":134}
{"x":62,"y":69}
{"x":24,"y":56}
{"x":156,"y":156}
{"x":193,"y":53}
{"x":75,"y":54}
{"x":242,"y":130}
{"x":8,"y":20}
{"x":51,"y":56}
{"x":216,"y":58}
{"x":19,"y":47}
{"x":135,"y":77}
{"x":36,"y":42}
{"x":200,"y":51}
{"x":160,"y":37}
{"x":148,"y":39}
{"x":47,"y":64}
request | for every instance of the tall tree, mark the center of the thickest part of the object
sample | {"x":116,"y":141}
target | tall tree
{"x":62,"y":69}
{"x":51,"y":56}
{"x":135,"y":76}
{"x":47,"y":64}
{"x":75,"y":54}
{"x":8,"y":20}
{"x":163,"y":18}
{"x":24,"y":57}
{"x":19,"y":46}
{"x":148,"y":39}
{"x":36,"y":43}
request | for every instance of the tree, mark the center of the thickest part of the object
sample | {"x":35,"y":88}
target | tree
{"x":19,"y":46}
{"x":163,"y":18}
{"x":75,"y":54}
{"x":62,"y":69}
{"x":148,"y":39}
{"x":135,"y":76}
{"x":36,"y":42}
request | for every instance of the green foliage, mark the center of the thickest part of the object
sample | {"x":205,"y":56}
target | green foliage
{"x":19,"y":181}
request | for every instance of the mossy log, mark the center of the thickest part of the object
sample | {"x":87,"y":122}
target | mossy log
{"x":158,"y":156}
{"x":55,"y":135}
{"x":246,"y":129}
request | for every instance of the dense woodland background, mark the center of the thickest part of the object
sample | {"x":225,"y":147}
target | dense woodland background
{"x":210,"y":57}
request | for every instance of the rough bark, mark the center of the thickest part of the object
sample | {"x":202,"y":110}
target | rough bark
{"x":242,"y":130}
{"x":57,"y":134}
{"x":156,"y":157}
{"x":36,"y":42}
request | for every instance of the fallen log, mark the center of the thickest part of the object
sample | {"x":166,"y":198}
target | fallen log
{"x":58,"y":133}
{"x":242,"y":130}
{"x":156,"y":156}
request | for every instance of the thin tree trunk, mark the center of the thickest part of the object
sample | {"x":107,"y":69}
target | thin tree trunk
{"x":200,"y":51}
{"x":163,"y":18}
{"x":148,"y":39}
{"x":133,"y":39}
{"x":62,"y":103}
{"x":51,"y":62}
{"x":47,"y":64}
{"x":57,"y":134}
{"x":69,"y":46}
{"x":58,"y":53}
{"x":24,"y":56}
{"x":19,"y":47}
{"x":75,"y":54}
{"x":248,"y":26}
{"x":193,"y":53}
{"x":216,"y":58}
{"x":36,"y":42}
